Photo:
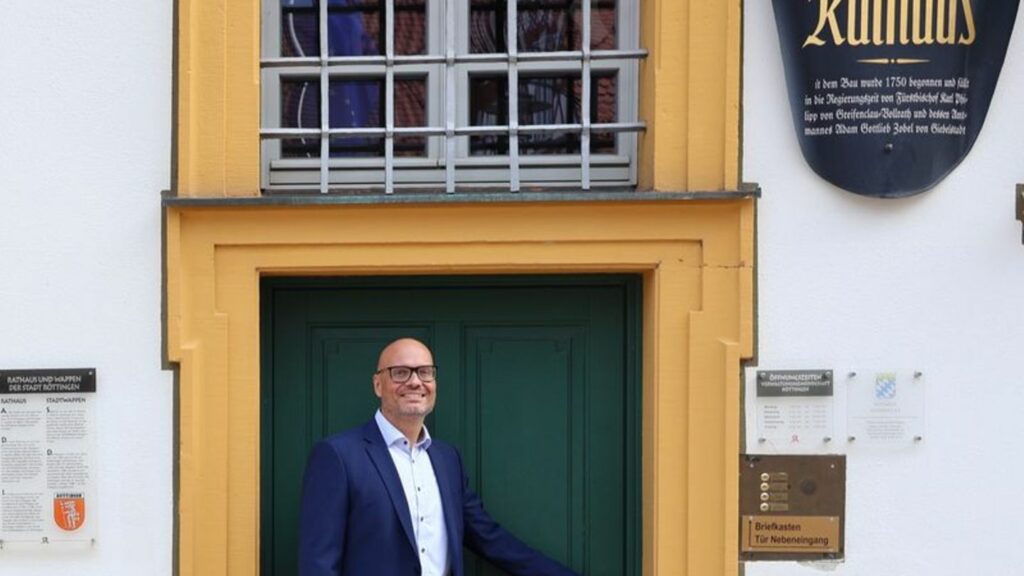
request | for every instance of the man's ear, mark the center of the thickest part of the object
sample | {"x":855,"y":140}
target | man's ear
{"x":376,"y":385}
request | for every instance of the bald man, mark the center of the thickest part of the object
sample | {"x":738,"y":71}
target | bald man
{"x":386,"y":499}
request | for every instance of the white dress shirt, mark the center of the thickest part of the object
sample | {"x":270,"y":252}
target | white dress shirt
{"x":421,"y":493}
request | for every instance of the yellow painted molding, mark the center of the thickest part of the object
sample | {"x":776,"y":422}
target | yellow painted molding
{"x":690,"y":95}
{"x":693,"y":257}
{"x":218,"y":98}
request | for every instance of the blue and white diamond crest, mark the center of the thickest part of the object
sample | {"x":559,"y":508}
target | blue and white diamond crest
{"x":885,"y":386}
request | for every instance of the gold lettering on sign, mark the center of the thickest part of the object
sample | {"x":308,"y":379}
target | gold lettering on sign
{"x":827,"y":15}
{"x":892,"y":22}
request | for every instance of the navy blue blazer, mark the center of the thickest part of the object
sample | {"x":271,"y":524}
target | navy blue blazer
{"x":355,"y":519}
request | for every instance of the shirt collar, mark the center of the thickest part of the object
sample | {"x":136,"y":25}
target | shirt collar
{"x":394,"y":436}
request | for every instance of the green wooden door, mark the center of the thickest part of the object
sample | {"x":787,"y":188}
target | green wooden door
{"x":538,"y":386}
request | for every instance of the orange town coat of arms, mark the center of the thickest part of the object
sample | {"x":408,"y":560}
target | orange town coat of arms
{"x":69,"y":511}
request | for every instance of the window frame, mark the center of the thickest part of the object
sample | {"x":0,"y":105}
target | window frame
{"x":298,"y":175}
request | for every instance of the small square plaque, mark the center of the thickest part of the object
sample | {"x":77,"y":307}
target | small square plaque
{"x":794,"y":411}
{"x":885,"y":408}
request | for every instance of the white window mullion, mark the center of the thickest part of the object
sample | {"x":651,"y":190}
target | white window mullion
{"x":325,"y":103}
{"x":512,"y":40}
{"x":389,"y":96}
{"x":585,"y":99}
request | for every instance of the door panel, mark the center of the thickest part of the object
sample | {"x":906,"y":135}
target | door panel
{"x":536,"y":386}
{"x":529,"y":379}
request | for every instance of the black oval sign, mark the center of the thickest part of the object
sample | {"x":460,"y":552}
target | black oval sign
{"x":888,"y":96}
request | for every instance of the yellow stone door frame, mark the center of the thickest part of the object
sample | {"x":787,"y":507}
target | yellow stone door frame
{"x":696,"y":258}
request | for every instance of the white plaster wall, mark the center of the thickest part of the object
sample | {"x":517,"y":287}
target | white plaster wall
{"x":85,"y":119}
{"x":935,"y":283}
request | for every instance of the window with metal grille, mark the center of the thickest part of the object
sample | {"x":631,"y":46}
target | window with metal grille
{"x":384,"y":94}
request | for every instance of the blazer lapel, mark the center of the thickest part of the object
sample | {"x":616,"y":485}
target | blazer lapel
{"x":386,"y":468}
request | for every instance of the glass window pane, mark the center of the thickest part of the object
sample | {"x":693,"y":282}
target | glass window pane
{"x":356,"y":27}
{"x":488,"y":106}
{"x":356,"y":103}
{"x":546,"y":99}
{"x":410,"y":27}
{"x":487,"y":26}
{"x":299,"y":34}
{"x":410,"y":110}
{"x":549,"y":100}
{"x":549,"y":26}
{"x":359,"y":103}
{"x":300,"y":108}
{"x":543,"y":26}
{"x":604,"y":109}
{"x":604,"y":25}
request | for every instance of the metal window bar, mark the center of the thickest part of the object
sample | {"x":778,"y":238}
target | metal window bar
{"x":449,"y":97}
{"x":512,"y":45}
{"x":389,"y":97}
{"x":616,"y":127}
{"x":398,"y":59}
{"x":326,"y":64}
{"x":325,"y":102}
{"x":585,"y":100}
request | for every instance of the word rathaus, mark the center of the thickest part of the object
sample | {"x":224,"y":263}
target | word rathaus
{"x":893,"y":22}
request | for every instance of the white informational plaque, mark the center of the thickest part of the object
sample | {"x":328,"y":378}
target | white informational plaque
{"x":885,"y":408}
{"x":47,"y":447}
{"x":794,"y":411}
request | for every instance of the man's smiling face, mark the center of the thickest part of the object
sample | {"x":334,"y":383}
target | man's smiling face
{"x":412,"y":398}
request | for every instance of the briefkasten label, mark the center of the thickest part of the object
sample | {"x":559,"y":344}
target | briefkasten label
{"x":790,"y":534}
{"x":889,"y":96}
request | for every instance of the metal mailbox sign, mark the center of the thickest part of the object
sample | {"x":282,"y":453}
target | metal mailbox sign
{"x":792,"y":507}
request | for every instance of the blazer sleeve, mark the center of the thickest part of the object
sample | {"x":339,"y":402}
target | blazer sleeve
{"x":487,"y":538}
{"x":323,"y":513}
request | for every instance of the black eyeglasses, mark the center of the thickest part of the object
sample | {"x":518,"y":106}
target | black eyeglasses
{"x":402,"y":374}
